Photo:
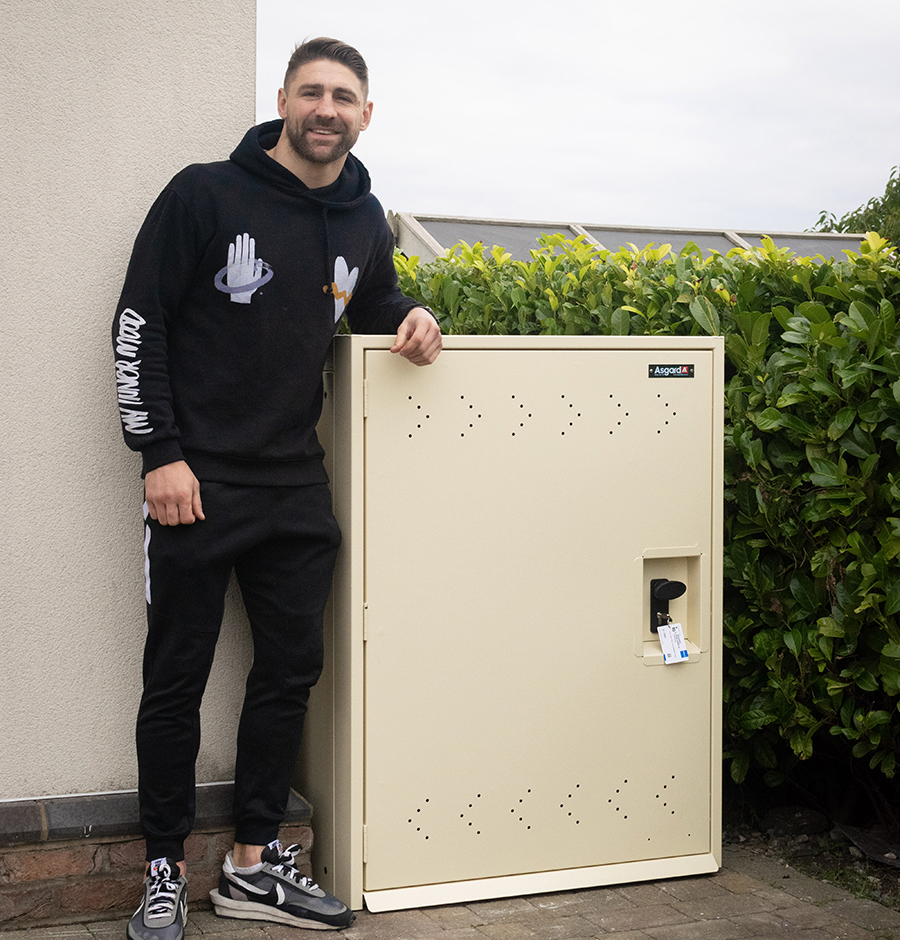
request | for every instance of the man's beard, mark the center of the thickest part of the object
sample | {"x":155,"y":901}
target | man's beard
{"x":343,"y":141}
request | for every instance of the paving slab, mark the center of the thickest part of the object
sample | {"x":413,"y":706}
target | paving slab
{"x":752,"y":897}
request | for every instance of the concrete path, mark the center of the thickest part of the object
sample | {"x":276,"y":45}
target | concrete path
{"x":751,"y":897}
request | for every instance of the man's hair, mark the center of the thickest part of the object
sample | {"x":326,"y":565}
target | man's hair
{"x":314,"y":50}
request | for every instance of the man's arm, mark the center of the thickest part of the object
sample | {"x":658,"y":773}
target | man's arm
{"x":172,"y":493}
{"x":161,"y":269}
{"x":379,"y":306}
{"x":418,"y":338}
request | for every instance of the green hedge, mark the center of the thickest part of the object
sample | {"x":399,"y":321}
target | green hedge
{"x":812,"y":499}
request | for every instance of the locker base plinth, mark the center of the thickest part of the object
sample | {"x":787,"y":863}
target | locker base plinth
{"x":485,"y":889}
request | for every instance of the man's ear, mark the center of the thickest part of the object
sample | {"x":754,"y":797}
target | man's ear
{"x":282,"y":103}
{"x":366,"y":116}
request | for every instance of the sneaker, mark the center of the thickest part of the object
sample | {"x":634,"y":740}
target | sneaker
{"x":163,"y":911}
{"x":277,"y":891}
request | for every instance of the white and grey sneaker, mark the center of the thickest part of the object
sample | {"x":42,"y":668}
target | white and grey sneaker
{"x":163,"y":911}
{"x":275,"y":890}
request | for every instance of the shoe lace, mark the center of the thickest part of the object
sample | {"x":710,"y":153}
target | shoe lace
{"x":162,"y":893}
{"x":285,"y":865}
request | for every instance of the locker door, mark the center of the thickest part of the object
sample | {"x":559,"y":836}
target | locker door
{"x":516,"y":503}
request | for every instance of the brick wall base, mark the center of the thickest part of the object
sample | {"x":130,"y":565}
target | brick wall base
{"x":49,"y":881}
{"x":77,"y":882}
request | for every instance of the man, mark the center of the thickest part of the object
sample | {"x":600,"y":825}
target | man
{"x":239,"y":277}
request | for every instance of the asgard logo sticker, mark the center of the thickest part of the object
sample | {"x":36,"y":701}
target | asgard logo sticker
{"x":671,"y":372}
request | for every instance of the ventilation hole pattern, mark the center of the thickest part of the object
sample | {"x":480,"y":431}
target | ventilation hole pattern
{"x":463,"y":415}
{"x":581,"y":807}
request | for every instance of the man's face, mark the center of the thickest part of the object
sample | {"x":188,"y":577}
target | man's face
{"x":324,"y":110}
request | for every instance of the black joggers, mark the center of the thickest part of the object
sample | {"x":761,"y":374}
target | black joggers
{"x":281,"y":543}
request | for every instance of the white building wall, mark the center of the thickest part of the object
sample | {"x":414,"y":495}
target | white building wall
{"x":102,"y":102}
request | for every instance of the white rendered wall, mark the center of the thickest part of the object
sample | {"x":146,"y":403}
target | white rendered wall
{"x":102,"y":102}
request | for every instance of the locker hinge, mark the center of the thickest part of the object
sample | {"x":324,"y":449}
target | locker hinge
{"x":365,"y":844}
{"x":365,"y":622}
{"x":365,"y":398}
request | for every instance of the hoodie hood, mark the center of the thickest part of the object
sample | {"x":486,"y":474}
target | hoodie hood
{"x":348,"y":191}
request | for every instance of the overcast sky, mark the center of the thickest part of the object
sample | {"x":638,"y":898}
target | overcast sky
{"x":711,"y":113}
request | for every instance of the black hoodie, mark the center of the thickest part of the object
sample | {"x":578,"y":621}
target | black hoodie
{"x":237,"y":282}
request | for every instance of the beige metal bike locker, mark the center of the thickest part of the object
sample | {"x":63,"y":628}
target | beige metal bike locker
{"x":495,"y":717}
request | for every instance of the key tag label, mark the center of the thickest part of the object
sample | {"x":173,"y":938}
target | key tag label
{"x":671,"y":639}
